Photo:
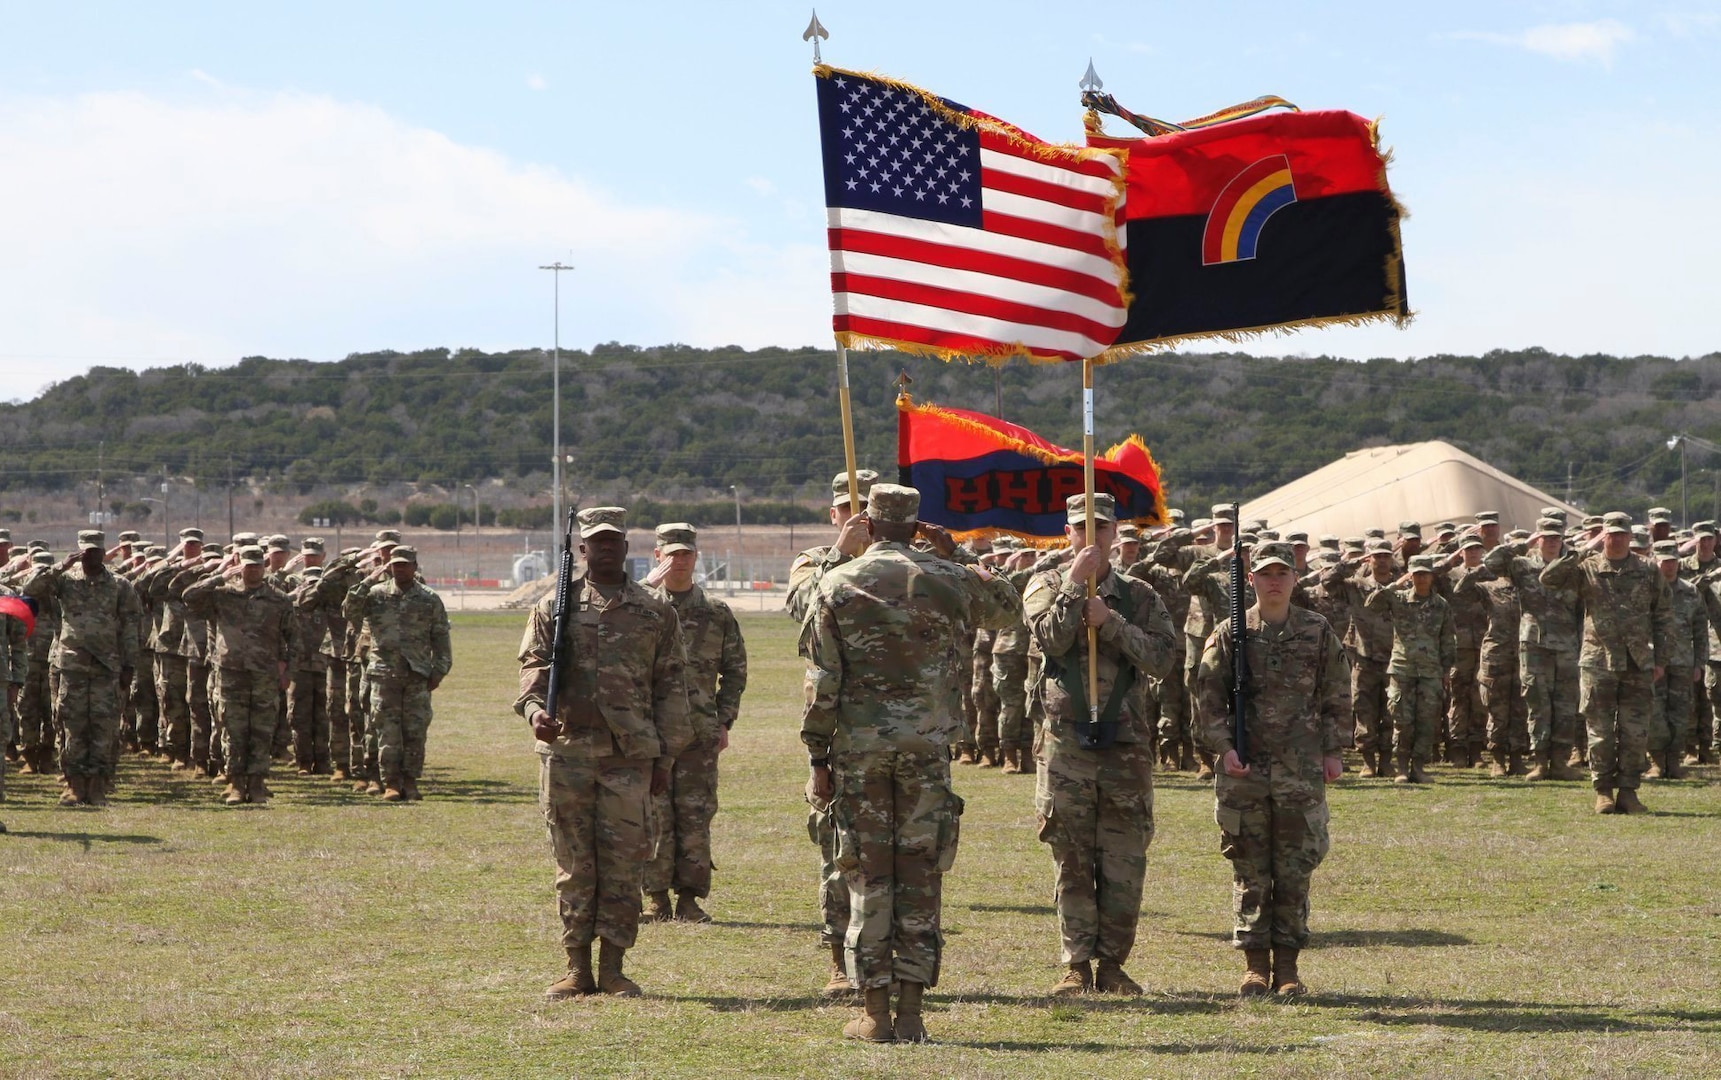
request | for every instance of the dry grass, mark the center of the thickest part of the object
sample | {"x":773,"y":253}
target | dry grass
{"x":1473,"y":928}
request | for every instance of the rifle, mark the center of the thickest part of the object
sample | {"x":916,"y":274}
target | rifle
{"x":1239,"y":656}
{"x":559,"y":634}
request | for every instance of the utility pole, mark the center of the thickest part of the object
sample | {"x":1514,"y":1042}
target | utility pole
{"x":1569,"y":484}
{"x":556,"y":269}
{"x":166,"y":529}
{"x":101,"y":494}
{"x":230,"y":527}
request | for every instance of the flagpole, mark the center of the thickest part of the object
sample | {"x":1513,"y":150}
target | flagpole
{"x":848,"y":428}
{"x":1088,"y":486}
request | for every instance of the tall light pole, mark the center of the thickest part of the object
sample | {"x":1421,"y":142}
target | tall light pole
{"x":556,"y":269}
{"x":475,"y":523}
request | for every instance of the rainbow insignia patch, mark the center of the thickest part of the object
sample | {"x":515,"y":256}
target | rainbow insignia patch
{"x":1254,"y":195}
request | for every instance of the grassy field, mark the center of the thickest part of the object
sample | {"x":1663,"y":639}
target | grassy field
{"x":1471,"y":928}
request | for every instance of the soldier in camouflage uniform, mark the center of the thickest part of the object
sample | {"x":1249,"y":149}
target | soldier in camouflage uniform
{"x":808,"y":568}
{"x":620,"y":722}
{"x":308,"y":690}
{"x":1497,"y":671}
{"x":277,"y":557}
{"x":1094,"y":792}
{"x":716,"y":676}
{"x":346,"y":712}
{"x":878,"y":725}
{"x":1627,"y":624}
{"x":1009,"y":672}
{"x":1687,"y":656}
{"x":172,"y":671}
{"x":1272,"y":810}
{"x":1466,"y":718}
{"x":1199,"y":622}
{"x":1700,"y":563}
{"x":14,"y":673}
{"x":93,"y":656}
{"x":1549,"y":630}
{"x":1370,"y":643}
{"x":1424,"y":648}
{"x":409,"y":657}
{"x":251,"y":648}
{"x":1176,"y":733}
{"x":36,"y":738}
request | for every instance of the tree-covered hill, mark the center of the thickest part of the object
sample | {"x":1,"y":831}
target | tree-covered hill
{"x":683,"y":422}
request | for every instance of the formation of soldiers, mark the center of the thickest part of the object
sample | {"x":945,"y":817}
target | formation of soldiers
{"x":220,"y":660}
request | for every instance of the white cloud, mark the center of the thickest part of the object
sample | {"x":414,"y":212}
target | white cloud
{"x":1595,"y":41}
{"x":142,"y":231}
{"x":537,"y":82}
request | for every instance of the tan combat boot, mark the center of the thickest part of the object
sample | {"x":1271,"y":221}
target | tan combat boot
{"x":395,"y":791}
{"x":1402,"y":776}
{"x":1205,"y":772}
{"x":1110,"y":978}
{"x":1628,"y":802}
{"x":687,"y":908}
{"x":1673,"y":770}
{"x":234,"y":793}
{"x":873,"y":1024}
{"x":1078,"y":979}
{"x":259,"y":791}
{"x":909,"y":1027}
{"x":339,"y":775}
{"x":1285,"y":981}
{"x":1539,"y":771}
{"x":411,"y":789}
{"x":610,"y":979}
{"x":1417,"y":776}
{"x":1515,"y":765}
{"x":72,"y":793}
{"x":1366,"y":772}
{"x":1013,"y":761}
{"x":837,"y":986}
{"x":96,"y":790}
{"x":1604,"y":801}
{"x":1258,"y":979}
{"x":657,"y":907}
{"x":988,"y":759}
{"x":1497,"y":766}
{"x":578,"y":982}
{"x":1654,"y":770}
{"x":1560,"y":770}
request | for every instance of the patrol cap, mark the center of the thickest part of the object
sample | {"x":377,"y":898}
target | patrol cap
{"x":38,"y":545}
{"x":155,"y":551}
{"x":1328,"y":541}
{"x":1298,"y":538}
{"x":313,"y":545}
{"x":246,"y":539}
{"x":1445,"y":528}
{"x":1255,"y":525}
{"x":1174,"y":516}
{"x":1422,"y":564}
{"x":1518,"y":534}
{"x":864,"y":480}
{"x":5,"y":536}
{"x":193,"y":533}
{"x":1616,"y":522}
{"x":91,"y":538}
{"x":1127,"y":533}
{"x":594,"y":520}
{"x":1076,"y":508}
{"x":1703,"y":528}
{"x":1591,"y":521}
{"x":42,"y":557}
{"x":1248,"y":540}
{"x":314,"y":573}
{"x":1639,"y":536}
{"x":1410,"y":528}
{"x":406,"y":556}
{"x":1554,"y":512}
{"x":1006,"y":543}
{"x":1224,"y":512}
{"x":1378,"y":546}
{"x":1666,"y":551}
{"x":1266,"y":534}
{"x":677,"y":536}
{"x":1355,"y":543}
{"x":1471,"y":541}
{"x":251,"y":555}
{"x":1549,"y":527}
{"x":130,"y":536}
{"x":1660,"y":513}
{"x":352,"y":551}
{"x":893,"y":503}
{"x":1199,"y":524}
{"x":1376,"y":533}
{"x":1487,"y":517}
{"x":280,"y":543}
{"x":1275,"y":553}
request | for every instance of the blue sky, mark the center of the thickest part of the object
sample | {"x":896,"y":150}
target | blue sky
{"x":213,"y":181}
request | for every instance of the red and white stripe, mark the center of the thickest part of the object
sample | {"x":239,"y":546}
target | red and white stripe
{"x":1039,"y":275}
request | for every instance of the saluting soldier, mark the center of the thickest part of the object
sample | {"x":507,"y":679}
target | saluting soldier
{"x":1687,"y":656}
{"x":621,"y":720}
{"x":716,"y":678}
{"x":39,"y":745}
{"x":410,"y":655}
{"x":882,"y":678}
{"x":1424,"y":648}
{"x":1272,"y":811}
{"x":1094,"y":791}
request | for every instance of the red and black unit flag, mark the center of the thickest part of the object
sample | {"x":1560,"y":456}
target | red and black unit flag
{"x":981,"y":476}
{"x":22,"y":608}
{"x":1245,"y":225}
{"x":956,"y":235}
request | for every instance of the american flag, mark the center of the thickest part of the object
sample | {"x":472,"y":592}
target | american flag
{"x":954,"y":233}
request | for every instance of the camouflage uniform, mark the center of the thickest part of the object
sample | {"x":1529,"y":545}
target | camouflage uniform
{"x":36,"y":731}
{"x":805,"y":573}
{"x":14,"y":673}
{"x":716,"y":676}
{"x":1095,"y":805}
{"x":1687,"y":653}
{"x":1548,"y":637}
{"x":409,"y":655}
{"x":339,"y":645}
{"x":1370,"y":644}
{"x":1176,"y":734}
{"x":251,"y":648}
{"x":1273,"y":822}
{"x":1466,"y":718}
{"x":92,"y":656}
{"x":1706,"y":733}
{"x":308,"y":686}
{"x":1627,"y":624}
{"x":1009,"y":676}
{"x":622,"y":706}
{"x":1424,"y":648}
{"x":172,"y":688}
{"x":984,"y":696}
{"x":881,"y":689}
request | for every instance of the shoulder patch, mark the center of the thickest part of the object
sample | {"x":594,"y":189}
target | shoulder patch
{"x":1036,"y":585}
